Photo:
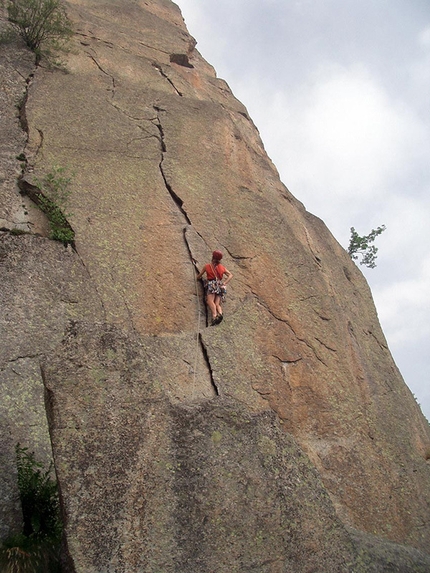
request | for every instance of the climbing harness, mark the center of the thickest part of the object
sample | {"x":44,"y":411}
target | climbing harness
{"x":221,"y":290}
{"x":216,"y":285}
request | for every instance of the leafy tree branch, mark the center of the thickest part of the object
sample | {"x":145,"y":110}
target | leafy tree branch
{"x":362,"y":247}
{"x":43,"y":24}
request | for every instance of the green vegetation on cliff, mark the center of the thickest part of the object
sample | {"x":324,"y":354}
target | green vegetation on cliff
{"x":36,"y":549}
{"x":360,"y":246}
{"x":55,"y":193}
{"x":43,"y":24}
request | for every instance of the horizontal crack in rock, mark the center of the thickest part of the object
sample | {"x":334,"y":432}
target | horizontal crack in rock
{"x":285,"y":361}
{"x":325,"y":345}
{"x":283,"y":320}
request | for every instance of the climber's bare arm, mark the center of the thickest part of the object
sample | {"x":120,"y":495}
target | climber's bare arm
{"x":229,"y":276}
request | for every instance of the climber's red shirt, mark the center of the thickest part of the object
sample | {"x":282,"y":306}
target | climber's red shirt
{"x":219,"y":270}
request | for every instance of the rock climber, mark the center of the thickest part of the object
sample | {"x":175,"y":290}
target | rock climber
{"x":216,"y":285}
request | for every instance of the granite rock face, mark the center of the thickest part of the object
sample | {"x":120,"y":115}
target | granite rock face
{"x":165,"y":487}
{"x":283,"y":439}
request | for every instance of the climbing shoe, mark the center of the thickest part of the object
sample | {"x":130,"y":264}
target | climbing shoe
{"x":219,"y":319}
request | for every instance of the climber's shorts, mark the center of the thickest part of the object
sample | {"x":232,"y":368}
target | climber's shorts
{"x":213,"y":287}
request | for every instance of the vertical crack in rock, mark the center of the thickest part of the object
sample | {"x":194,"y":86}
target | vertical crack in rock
{"x":311,"y":247}
{"x":165,"y":76}
{"x":206,"y":357}
{"x":22,"y":113}
{"x":22,"y":110}
{"x":40,"y":144}
{"x":25,"y":188}
{"x":174,"y":196}
{"x":177,"y":200}
{"x":112,"y":89}
{"x":179,"y":203}
{"x":202,"y":306}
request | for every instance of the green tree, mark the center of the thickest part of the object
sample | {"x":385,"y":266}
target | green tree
{"x":362,"y":247}
{"x":43,"y":24}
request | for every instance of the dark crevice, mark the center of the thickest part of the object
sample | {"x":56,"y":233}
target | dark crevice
{"x":14,"y":231}
{"x":46,"y":206}
{"x":152,"y":48}
{"x":21,"y":106}
{"x":262,"y":393}
{"x":206,"y":357}
{"x":181,"y":60}
{"x":325,"y":345}
{"x":165,"y":76}
{"x":17,"y":358}
{"x":380,"y":344}
{"x":112,"y":45}
{"x":104,"y":72}
{"x":348,"y":275}
{"x":175,"y":197}
{"x":285,"y":361}
{"x":269,"y":310}
{"x":178,"y":201}
{"x":67,"y":562}
{"x":192,"y":259}
{"x":133,"y":118}
{"x":238,"y":257}
{"x":22,"y":103}
{"x":160,"y":130}
{"x":321,"y":316}
{"x":203,"y":307}
{"x":311,"y":248}
{"x":109,"y":44}
{"x":40,"y":144}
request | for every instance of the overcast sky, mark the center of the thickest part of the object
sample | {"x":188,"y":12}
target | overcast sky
{"x":340,"y":92}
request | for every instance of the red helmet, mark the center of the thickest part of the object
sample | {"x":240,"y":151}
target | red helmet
{"x":217,"y":255}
